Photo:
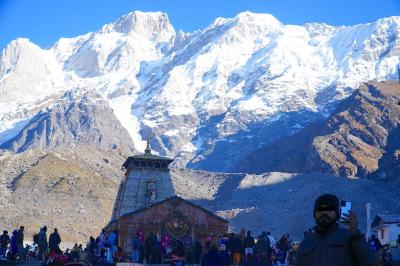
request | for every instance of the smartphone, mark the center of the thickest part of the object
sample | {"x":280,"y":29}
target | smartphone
{"x":345,"y":208}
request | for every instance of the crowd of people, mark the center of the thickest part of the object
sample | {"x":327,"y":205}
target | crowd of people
{"x":230,"y":249}
{"x":325,"y":244}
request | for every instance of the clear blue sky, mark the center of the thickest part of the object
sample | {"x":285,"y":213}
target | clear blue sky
{"x":45,"y":21}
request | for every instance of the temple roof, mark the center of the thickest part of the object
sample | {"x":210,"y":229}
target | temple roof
{"x":150,"y":157}
{"x":146,"y":156}
{"x":176,"y":197}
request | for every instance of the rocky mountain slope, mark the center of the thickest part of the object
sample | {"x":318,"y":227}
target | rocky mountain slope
{"x":280,"y":202}
{"x":241,"y":82}
{"x":360,"y":138}
{"x":76,"y":118}
{"x":74,"y":189}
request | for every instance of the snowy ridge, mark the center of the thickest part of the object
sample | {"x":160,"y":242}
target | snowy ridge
{"x":194,"y":91}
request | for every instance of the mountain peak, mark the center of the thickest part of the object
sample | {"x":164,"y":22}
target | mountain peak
{"x":19,"y":41}
{"x":248,"y":18}
{"x":389,"y":21}
{"x":18,"y":44}
{"x":388,"y":27}
{"x":142,"y":23}
{"x":258,"y":18}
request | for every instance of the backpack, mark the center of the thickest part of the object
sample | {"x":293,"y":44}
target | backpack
{"x":36,"y":238}
{"x":262,"y":246}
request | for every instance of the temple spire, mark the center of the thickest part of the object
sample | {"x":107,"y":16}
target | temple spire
{"x":147,"y":151}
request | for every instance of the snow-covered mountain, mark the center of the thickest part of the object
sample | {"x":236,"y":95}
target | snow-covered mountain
{"x":207,"y":98}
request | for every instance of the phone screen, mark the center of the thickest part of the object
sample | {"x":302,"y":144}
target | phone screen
{"x":345,"y":208}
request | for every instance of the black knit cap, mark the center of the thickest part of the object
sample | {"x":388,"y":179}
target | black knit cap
{"x":328,"y":200}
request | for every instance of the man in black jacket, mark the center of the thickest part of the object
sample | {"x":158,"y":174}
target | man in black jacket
{"x":263,"y":248}
{"x":42,"y":243}
{"x":54,"y":241}
{"x":235,"y":248}
{"x":248,"y":244}
{"x":331,"y":245}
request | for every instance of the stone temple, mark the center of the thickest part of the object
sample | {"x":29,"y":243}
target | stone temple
{"x":147,"y":181}
{"x":147,"y":204}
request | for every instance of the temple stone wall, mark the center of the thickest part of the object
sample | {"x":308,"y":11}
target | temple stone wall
{"x":174,"y":217}
{"x":146,"y":202}
{"x":134,"y":190}
{"x":147,"y":181}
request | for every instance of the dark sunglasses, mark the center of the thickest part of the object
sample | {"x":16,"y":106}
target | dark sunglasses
{"x":325,"y":208}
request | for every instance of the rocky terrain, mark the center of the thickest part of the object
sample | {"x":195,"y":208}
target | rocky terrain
{"x":74,"y":190}
{"x":360,"y":138}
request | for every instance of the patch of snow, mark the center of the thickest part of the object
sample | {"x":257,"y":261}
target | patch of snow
{"x":232,"y":213}
{"x":122,"y":109}
{"x":263,"y":180}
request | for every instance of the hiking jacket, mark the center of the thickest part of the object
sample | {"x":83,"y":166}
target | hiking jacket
{"x":248,"y":242}
{"x":42,"y":239}
{"x":4,"y":240}
{"x":20,"y":237}
{"x":336,"y":247}
{"x":235,"y":245}
{"x":54,"y":240}
{"x":262,"y":246}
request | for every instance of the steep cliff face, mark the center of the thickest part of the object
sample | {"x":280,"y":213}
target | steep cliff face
{"x":356,"y":140}
{"x":356,"y":137}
